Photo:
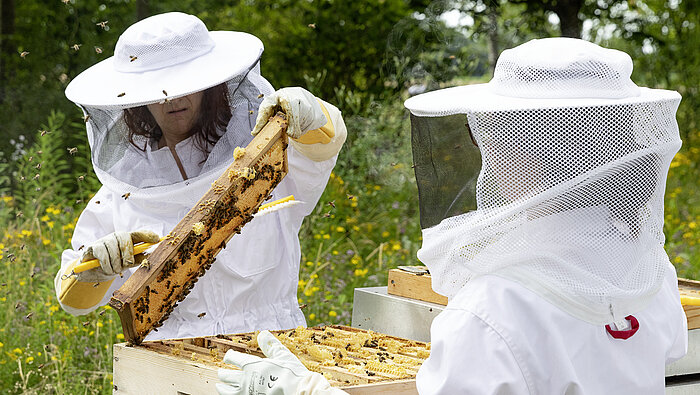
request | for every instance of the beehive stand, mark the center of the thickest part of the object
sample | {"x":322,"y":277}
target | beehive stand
{"x":152,"y":292}
{"x":189,"y":366}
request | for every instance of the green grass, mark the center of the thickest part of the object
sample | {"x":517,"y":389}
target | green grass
{"x":365,"y":223}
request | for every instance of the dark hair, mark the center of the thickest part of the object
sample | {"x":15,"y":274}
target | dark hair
{"x":214,"y":115}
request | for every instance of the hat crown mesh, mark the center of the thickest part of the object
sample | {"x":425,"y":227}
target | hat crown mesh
{"x":161,"y":41}
{"x":563,"y":68}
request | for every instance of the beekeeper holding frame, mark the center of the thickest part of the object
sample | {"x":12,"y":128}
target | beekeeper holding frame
{"x":546,"y":233}
{"x":163,"y":117}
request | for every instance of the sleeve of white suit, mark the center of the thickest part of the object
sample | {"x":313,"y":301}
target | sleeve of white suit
{"x":75,"y":297}
{"x":468,"y":356}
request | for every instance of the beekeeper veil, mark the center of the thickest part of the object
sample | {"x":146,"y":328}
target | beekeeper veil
{"x":569,"y":196}
{"x":158,"y":60}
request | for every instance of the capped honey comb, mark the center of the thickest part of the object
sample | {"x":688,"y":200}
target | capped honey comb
{"x":148,"y":297}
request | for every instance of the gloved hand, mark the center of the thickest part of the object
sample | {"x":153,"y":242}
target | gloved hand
{"x":115,"y":253}
{"x":281,"y":373}
{"x":303,"y":111}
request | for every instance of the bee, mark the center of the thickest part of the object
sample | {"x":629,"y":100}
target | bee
{"x":72,"y":150}
{"x":326,"y":215}
{"x":350,"y":197}
{"x":251,"y":111}
{"x":95,"y":285}
{"x":38,"y":166}
{"x":43,"y":132}
{"x":22,"y":178}
{"x":97,"y":202}
{"x":35,"y":176}
{"x":19,"y":305}
{"x":31,"y":158}
{"x":86,"y":118}
{"x":86,"y":323}
{"x":312,"y":25}
{"x":126,"y":195}
{"x":41,"y":365}
{"x":132,"y":58}
{"x":121,"y":94}
{"x":260,"y":96}
{"x":102,"y":24}
{"x":28,"y":316}
{"x":39,"y":152}
{"x":200,"y":315}
{"x":165,"y":93}
{"x":331,"y":203}
{"x":76,"y":47}
{"x":98,"y":49}
{"x":81,"y":178}
{"x":65,"y":1}
{"x":303,"y":306}
{"x":3,"y":285}
{"x":22,"y":246}
{"x":78,"y":201}
{"x":24,"y":54}
{"x":102,"y":312}
{"x":451,"y":57}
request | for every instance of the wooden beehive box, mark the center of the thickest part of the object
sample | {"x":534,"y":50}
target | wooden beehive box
{"x":153,"y":291}
{"x":358,"y":361}
{"x":415,"y":285}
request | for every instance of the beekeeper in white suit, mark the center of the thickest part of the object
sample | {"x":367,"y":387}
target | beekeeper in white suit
{"x":164,"y":115}
{"x":558,"y":282}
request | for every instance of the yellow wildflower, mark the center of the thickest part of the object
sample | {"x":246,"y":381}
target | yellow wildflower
{"x":385,"y":234}
{"x":326,"y":236}
{"x":312,"y":316}
{"x":361,"y":272}
{"x":50,"y":224}
{"x":332,"y":313}
{"x":340,"y":229}
{"x":45,"y":218}
{"x":46,"y":242}
{"x":120,"y":336}
{"x":99,"y":324}
{"x":29,"y":360}
{"x":17,"y":351}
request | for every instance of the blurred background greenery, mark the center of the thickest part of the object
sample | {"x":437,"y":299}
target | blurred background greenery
{"x":363,"y":56}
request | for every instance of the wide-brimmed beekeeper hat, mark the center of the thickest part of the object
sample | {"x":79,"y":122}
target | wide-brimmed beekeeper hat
{"x":563,"y":188}
{"x":164,"y":57}
{"x":545,"y":73}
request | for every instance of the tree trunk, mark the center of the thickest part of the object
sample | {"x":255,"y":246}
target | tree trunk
{"x":7,"y":50}
{"x":492,"y":32}
{"x":142,"y":9}
{"x":567,"y":11}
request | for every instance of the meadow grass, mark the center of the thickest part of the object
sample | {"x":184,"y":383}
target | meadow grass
{"x":365,"y":223}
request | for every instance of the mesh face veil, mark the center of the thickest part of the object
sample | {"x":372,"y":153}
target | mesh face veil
{"x":570,"y":190}
{"x":158,"y":60}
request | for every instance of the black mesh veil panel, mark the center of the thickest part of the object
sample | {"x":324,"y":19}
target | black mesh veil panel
{"x":447,"y":166}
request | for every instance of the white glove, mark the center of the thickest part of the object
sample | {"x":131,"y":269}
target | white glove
{"x":281,"y":373}
{"x":303,"y":111}
{"x":115,"y":253}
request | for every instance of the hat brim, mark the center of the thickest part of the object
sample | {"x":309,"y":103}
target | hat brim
{"x":480,"y":98}
{"x":102,"y":86}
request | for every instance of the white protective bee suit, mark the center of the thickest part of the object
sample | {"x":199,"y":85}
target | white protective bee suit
{"x":558,"y":282}
{"x":252,"y":285}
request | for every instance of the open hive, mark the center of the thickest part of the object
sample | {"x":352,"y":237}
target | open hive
{"x":148,"y":297}
{"x":358,"y":361}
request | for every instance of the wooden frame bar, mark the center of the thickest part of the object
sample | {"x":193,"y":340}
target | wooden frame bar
{"x":152,"y":292}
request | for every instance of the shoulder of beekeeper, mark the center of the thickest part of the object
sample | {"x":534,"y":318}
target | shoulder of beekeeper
{"x":496,"y":336}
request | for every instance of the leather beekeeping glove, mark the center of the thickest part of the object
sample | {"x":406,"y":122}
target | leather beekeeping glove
{"x":280,"y":373}
{"x":115,"y":253}
{"x":303,"y":111}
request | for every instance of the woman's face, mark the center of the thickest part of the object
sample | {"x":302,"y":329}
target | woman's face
{"x":177,"y":117}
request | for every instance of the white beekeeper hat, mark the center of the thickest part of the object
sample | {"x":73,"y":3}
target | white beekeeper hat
{"x":164,"y":57}
{"x":569,"y":190}
{"x":545,"y":73}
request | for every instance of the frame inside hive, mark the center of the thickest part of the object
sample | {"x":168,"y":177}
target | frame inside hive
{"x":195,"y":360}
{"x":148,"y":297}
